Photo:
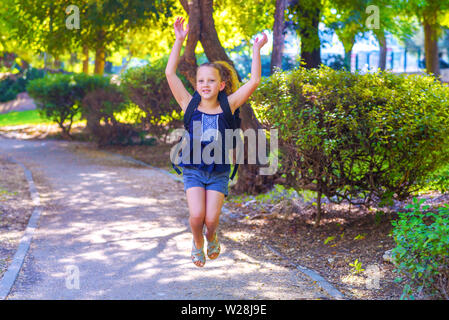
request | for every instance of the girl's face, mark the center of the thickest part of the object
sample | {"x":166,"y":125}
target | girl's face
{"x":208,"y":82}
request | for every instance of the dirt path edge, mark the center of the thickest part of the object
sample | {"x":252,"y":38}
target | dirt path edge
{"x":13,"y":270}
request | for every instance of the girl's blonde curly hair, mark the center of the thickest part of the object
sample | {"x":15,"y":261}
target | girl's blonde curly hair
{"x":227,"y":74}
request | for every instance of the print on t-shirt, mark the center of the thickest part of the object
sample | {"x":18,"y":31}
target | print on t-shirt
{"x":209,"y":122}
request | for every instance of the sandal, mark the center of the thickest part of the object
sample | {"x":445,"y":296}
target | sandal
{"x":198,"y":255}
{"x":213,"y":248}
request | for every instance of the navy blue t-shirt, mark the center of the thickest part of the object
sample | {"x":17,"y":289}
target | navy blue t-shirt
{"x":215,"y":123}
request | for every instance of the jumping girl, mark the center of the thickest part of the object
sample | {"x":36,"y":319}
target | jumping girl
{"x":206,"y":185}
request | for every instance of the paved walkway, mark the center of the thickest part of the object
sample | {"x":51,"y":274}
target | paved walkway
{"x":124,"y":230}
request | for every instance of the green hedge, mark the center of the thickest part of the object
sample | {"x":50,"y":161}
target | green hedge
{"x":8,"y":90}
{"x":363,"y":138}
{"x":147,"y":87}
{"x":9,"y":87}
{"x":422,"y":252}
{"x":58,"y":96}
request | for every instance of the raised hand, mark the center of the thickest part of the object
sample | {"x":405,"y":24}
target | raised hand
{"x":180,"y":33}
{"x":259,"y":43}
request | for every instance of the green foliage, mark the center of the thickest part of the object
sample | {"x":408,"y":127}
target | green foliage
{"x":329,"y":239}
{"x":58,"y":96}
{"x":360,"y":236}
{"x":33,"y":73}
{"x":10,"y":87}
{"x":422,"y":252}
{"x":41,"y":26}
{"x":439,"y":180}
{"x":238,"y":20}
{"x":55,"y":97}
{"x":87,"y":83}
{"x":99,"y":107}
{"x":131,"y":114}
{"x":305,"y":17}
{"x":356,"y":267}
{"x":421,"y":9}
{"x":7,"y":90}
{"x":147,"y":88}
{"x":371,"y":137}
{"x":104,"y":108}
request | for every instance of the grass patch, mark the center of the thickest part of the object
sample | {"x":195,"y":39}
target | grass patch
{"x":17,"y":118}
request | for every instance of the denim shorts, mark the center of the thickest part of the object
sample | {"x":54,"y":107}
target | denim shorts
{"x":217,"y":181}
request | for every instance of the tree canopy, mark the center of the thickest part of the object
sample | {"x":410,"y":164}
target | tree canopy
{"x":143,"y":28}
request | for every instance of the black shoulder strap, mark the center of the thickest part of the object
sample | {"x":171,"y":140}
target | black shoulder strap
{"x":193,"y":104}
{"x":237,"y":119}
{"x":224,"y":103}
{"x":233,"y":119}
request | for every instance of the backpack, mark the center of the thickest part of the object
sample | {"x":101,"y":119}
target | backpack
{"x":233,"y":120}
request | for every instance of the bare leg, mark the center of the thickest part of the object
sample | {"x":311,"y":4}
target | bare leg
{"x":196,"y":200}
{"x":214,"y":202}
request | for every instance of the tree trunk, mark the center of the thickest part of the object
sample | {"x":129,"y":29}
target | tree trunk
{"x":65,"y":131}
{"x":249,"y":179}
{"x":202,"y":28}
{"x":57,"y":63}
{"x":86,"y":59}
{"x":45,"y":62}
{"x":187,"y":65}
{"x":99,"y":61}
{"x":348,"y":54}
{"x":431,"y":46}
{"x":310,"y":40}
{"x":311,"y":59}
{"x":383,"y":49}
{"x":100,"y":53}
{"x":278,"y":35}
{"x":347,"y":39}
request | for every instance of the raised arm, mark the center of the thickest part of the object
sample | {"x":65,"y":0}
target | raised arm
{"x":239,"y":97}
{"x":180,"y":93}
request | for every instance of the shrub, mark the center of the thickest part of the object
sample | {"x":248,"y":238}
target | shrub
{"x":147,"y":87}
{"x":11,"y":86}
{"x":439,"y":180}
{"x":422,"y":252}
{"x":99,"y":108}
{"x":360,"y":138}
{"x":87,"y":83}
{"x":55,"y":97}
{"x":58,"y":96}
{"x":33,"y":73}
{"x":7,"y":90}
